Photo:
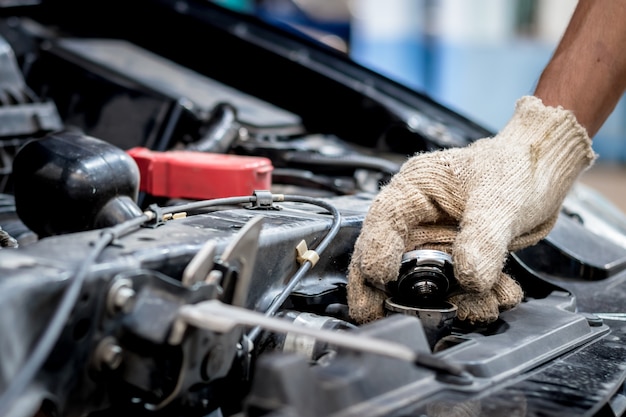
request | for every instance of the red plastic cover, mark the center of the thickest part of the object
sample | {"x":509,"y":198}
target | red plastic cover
{"x":200,"y":175}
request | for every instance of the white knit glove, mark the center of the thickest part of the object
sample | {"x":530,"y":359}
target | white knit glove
{"x":478,"y":203}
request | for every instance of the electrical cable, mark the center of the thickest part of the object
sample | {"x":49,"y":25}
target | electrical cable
{"x":304,"y":268}
{"x":196,"y":205}
{"x":320,"y":248}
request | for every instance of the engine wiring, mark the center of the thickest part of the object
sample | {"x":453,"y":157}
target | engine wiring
{"x":307,"y":264}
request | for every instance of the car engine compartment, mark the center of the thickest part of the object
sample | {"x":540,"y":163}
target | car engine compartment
{"x":181,"y":188}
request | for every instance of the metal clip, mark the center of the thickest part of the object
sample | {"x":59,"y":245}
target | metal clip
{"x":305,"y":254}
{"x":157,"y":218}
{"x":264,"y":201}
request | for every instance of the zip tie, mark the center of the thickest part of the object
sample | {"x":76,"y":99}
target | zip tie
{"x":306,"y":254}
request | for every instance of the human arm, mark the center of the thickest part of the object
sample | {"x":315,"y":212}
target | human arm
{"x":503,"y":193}
{"x":587,"y":72}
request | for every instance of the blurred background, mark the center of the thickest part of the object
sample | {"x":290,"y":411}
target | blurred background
{"x":475,"y":56}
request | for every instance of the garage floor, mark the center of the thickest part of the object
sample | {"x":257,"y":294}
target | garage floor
{"x":610,"y":180}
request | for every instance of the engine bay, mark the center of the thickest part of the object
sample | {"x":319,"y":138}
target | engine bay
{"x":179,"y":212}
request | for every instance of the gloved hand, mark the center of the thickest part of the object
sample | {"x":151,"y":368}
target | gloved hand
{"x":477,"y":203}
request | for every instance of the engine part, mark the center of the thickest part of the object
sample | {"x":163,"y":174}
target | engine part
{"x":11,"y":223}
{"x":69,"y":182}
{"x":436,"y":321}
{"x":216,"y":316}
{"x":287,"y":382}
{"x":198,"y":175}
{"x":425,"y":279}
{"x":232,"y":270}
{"x":95,"y":81}
{"x":312,"y":349}
{"x":334,"y":162}
{"x":576,"y":258}
{"x":22,"y":113}
{"x":221,"y":130}
{"x":6,"y":240}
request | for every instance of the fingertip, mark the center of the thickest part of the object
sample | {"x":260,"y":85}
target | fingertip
{"x":380,"y":253}
{"x":365,"y":304}
{"x":476,"y":309}
{"x":475,"y":271}
{"x":508,"y":292}
{"x":478,"y":253}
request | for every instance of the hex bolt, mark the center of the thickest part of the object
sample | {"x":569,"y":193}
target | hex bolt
{"x":593,"y":320}
{"x":121,"y":296}
{"x":108,"y":354}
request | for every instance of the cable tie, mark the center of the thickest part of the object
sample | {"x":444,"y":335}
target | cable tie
{"x":305,"y":254}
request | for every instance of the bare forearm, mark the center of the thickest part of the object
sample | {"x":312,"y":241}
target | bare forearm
{"x":587,"y":73}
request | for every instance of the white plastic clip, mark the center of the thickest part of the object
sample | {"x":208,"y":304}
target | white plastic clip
{"x":305,"y":254}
